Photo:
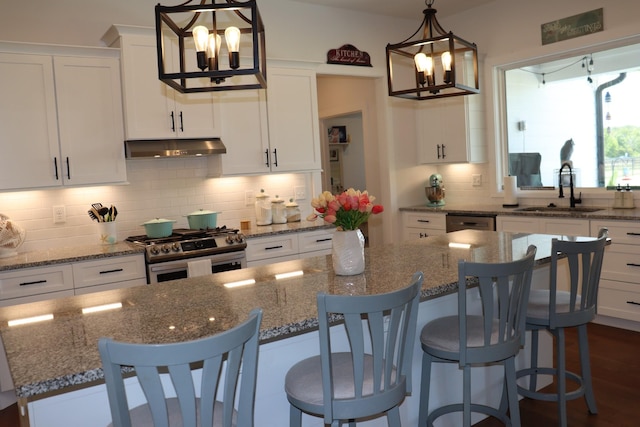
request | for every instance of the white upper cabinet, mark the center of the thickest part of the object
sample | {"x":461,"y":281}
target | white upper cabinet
{"x":152,"y":108}
{"x":60,"y":117}
{"x":271,"y":131}
{"x":451,"y":130}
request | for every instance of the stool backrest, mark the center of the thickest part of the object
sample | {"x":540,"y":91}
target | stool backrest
{"x":380,"y":328}
{"x":228,"y":358}
{"x":584,"y":259}
{"x":504,"y":291}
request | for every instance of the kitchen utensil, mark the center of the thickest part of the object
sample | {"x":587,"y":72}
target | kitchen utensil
{"x":93,"y":213}
{"x":96,"y":205}
{"x":159,"y":227}
{"x":114,"y":214}
{"x":102,"y":212}
{"x":202,"y":219}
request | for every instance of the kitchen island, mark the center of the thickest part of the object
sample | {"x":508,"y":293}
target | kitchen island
{"x":56,"y":368}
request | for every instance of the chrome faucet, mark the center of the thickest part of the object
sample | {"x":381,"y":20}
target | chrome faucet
{"x":572,"y":199}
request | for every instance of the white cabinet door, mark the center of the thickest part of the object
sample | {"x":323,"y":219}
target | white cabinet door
{"x":90,"y":120}
{"x":35,"y":284}
{"x":292,"y":103}
{"x":517,"y":224}
{"x":28,"y":123}
{"x":564,"y":227}
{"x":153,"y":109}
{"x":109,"y":273}
{"x":418,"y":225}
{"x":451,"y":130}
{"x":315,"y":243}
{"x":267,"y":250}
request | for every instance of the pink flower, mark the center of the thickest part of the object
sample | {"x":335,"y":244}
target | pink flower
{"x":347,"y":210}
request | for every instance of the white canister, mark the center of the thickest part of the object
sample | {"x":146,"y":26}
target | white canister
{"x":510,"y":189}
{"x":263,"y":209}
{"x":278,"y":211}
{"x":107,"y":233}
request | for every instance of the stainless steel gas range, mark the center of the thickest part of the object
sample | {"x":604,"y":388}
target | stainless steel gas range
{"x":168,"y":258}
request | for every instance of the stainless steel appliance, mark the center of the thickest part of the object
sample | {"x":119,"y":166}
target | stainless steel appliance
{"x":470,"y":222}
{"x":167,"y":258}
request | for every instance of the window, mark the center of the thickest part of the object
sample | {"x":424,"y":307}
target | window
{"x":581,"y":109}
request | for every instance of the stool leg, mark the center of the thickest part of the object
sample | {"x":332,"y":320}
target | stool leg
{"x":466,"y":396}
{"x":533,"y":379}
{"x":562,"y":378}
{"x":585,"y":365}
{"x":424,"y":390}
{"x":295,"y":416}
{"x":393,"y":417}
{"x":512,"y":391}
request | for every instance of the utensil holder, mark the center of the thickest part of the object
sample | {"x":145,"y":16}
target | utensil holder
{"x":107,"y":233}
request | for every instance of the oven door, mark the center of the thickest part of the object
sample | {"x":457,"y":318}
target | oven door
{"x":177,"y":269}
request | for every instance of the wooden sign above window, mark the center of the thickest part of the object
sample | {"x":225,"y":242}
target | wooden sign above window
{"x":573,"y":26}
{"x":348,"y":55}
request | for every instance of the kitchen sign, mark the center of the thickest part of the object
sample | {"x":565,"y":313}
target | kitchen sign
{"x":348,"y":55}
{"x":572,"y":27}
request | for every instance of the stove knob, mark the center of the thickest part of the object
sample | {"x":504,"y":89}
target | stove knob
{"x":166,"y":249}
{"x":240,"y":238}
{"x":229,"y":239}
{"x":154,"y":250}
{"x":175,"y":247}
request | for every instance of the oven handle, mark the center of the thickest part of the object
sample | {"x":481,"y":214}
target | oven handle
{"x":225,"y":258}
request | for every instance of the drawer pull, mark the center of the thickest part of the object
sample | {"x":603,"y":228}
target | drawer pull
{"x":424,"y":220}
{"x":37,"y":282}
{"x":633,"y":303}
{"x":631,"y":264}
{"x":629,"y":233}
{"x":273,"y":247}
{"x":117,"y":270}
{"x":323,"y":240}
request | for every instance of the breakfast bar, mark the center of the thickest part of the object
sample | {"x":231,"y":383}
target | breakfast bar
{"x":56,"y":368}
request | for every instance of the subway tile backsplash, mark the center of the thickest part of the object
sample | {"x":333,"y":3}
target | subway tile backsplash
{"x":167,"y":188}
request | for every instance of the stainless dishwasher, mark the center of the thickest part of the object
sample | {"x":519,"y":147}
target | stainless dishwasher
{"x":470,"y":222}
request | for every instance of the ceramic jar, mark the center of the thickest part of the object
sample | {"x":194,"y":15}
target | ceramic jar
{"x":278,"y":211}
{"x":263,"y":209}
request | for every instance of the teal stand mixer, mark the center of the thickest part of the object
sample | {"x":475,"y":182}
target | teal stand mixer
{"x":435,"y":191}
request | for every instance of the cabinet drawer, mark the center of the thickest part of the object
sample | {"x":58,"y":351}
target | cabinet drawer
{"x":625,"y":232}
{"x":315,"y":241}
{"x":110,"y":286}
{"x":108,"y":270}
{"x":35,"y":281}
{"x":622,"y":263}
{"x":272,"y":247}
{"x":410,"y":233}
{"x":618,"y":299}
{"x":425,"y":220}
{"x":36,"y":298}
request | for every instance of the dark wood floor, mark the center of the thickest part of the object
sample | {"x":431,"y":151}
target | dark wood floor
{"x":615,"y":365}
{"x":615,"y":362}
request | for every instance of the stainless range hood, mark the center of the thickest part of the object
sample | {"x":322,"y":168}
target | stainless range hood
{"x":148,"y":148}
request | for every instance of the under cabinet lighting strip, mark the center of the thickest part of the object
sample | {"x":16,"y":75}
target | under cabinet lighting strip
{"x":239,"y":283}
{"x":104,"y":307}
{"x":28,"y":320}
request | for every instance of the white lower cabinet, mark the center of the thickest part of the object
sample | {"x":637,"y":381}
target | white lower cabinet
{"x":417,"y":225}
{"x":109,"y":273}
{"x":546,"y":225}
{"x":619,"y":292}
{"x":35,"y":284}
{"x":288,"y":246}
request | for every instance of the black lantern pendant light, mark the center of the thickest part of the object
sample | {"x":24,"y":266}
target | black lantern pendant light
{"x":189,"y":40}
{"x":438,"y":65}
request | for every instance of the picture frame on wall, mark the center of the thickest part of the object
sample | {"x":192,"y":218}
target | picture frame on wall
{"x":333,"y":155}
{"x":337,"y":134}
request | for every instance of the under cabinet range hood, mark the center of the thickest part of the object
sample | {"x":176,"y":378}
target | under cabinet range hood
{"x":149,"y":148}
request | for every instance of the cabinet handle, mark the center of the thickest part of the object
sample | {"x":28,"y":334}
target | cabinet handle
{"x":68,"y":169}
{"x":438,"y":147}
{"x":633,"y":303}
{"x":33,"y":283}
{"x":173,"y":123}
{"x":117,"y":270}
{"x":266,"y":155}
{"x":323,"y":240}
{"x":426,"y":221}
{"x":55,"y":166}
{"x":631,"y":264}
{"x":273,"y":247}
{"x":443,"y":155}
{"x":632,"y":234}
{"x":423,"y":235}
{"x":181,"y":123}
{"x":275,"y":157}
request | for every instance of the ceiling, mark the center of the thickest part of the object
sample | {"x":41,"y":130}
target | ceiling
{"x":401,"y":8}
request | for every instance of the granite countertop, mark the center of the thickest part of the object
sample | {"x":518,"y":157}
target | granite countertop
{"x":52,"y":356}
{"x":603,"y":212}
{"x":88,"y":252}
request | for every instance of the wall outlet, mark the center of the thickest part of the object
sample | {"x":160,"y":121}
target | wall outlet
{"x":299,"y":192}
{"x":249,"y":198}
{"x":476,"y":180}
{"x":59,"y":215}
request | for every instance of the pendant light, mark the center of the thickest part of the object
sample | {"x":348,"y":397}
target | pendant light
{"x":189,"y":39}
{"x":440,"y":64}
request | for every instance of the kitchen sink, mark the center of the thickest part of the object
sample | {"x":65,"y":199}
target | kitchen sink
{"x":580,"y":209}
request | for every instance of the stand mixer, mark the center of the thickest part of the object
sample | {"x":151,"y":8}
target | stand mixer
{"x":435,"y":191}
